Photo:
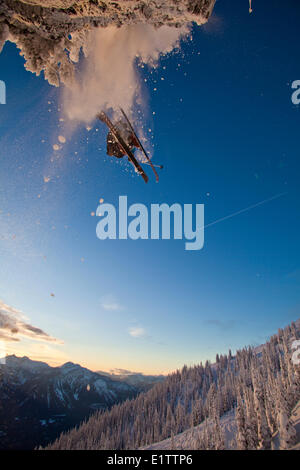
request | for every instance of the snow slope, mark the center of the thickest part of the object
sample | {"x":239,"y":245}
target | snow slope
{"x":296,"y":423}
{"x":188,"y":439}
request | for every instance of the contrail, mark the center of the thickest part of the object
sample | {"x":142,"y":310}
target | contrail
{"x":245,"y":210}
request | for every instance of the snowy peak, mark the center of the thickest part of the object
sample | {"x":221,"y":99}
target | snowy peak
{"x":70,"y":367}
{"x":24,"y":363}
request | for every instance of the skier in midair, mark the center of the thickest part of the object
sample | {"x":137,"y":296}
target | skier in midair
{"x":123,"y":140}
{"x":113,"y":147}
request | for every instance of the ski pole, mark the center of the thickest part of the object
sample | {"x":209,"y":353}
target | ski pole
{"x":157,"y":166}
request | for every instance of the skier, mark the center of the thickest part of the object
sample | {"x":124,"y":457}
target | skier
{"x":113,"y":147}
{"x":123,"y":140}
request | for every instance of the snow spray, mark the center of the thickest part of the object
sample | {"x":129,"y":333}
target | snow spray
{"x":109,"y":77}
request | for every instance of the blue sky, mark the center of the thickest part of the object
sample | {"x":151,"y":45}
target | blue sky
{"x":226,"y":131}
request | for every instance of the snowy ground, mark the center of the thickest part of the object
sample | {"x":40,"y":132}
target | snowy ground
{"x":187,"y":440}
{"x":296,"y":423}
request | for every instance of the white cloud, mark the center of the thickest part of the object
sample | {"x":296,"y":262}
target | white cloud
{"x":111,"y":306}
{"x":137,"y":332}
{"x":110,"y":303}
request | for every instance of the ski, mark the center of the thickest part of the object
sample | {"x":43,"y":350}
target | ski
{"x":140,"y":144}
{"x":104,"y":118}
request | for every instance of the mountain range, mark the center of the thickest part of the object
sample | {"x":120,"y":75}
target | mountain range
{"x":45,"y":400}
{"x":136,"y":379}
{"x":250,"y":400}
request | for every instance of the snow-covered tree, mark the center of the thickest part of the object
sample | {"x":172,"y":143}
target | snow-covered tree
{"x":240,"y":415}
{"x":264,"y":432}
{"x":287,"y":432}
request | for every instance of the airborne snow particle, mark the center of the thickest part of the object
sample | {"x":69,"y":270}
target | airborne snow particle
{"x":62,"y":139}
{"x":55,"y":147}
{"x":92,"y":214}
{"x":46,"y":179}
{"x":111,"y":80}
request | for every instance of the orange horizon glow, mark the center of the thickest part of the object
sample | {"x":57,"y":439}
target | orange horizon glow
{"x":49,"y":355}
